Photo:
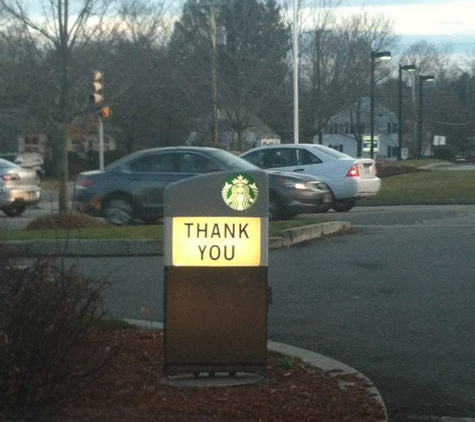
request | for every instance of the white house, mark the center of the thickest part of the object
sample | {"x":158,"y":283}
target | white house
{"x":20,"y":131}
{"x":255,"y":133}
{"x":341,"y":129}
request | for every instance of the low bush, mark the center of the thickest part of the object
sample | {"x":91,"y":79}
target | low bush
{"x":391,"y":168}
{"x":66,"y":221}
{"x":51,"y":341}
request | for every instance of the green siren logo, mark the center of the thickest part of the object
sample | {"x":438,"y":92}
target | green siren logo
{"x":240,"y":192}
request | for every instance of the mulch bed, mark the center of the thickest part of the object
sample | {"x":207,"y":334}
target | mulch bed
{"x":132,"y":392}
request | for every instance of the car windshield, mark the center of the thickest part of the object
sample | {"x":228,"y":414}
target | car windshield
{"x":331,"y":152}
{"x":232,"y":161}
{"x":228,"y":159}
{"x":118,"y":162}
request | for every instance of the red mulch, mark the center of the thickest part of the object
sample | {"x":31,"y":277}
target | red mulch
{"x":132,"y":392}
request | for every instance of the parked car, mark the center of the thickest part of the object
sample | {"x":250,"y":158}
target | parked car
{"x":133,"y":186}
{"x":19,"y":188}
{"x":348,"y":178}
{"x":28,"y":160}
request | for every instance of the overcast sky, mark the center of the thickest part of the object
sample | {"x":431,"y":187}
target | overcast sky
{"x":437,"y":21}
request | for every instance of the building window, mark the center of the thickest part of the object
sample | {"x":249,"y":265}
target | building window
{"x":31,"y":144}
{"x":337,"y":147}
{"x":31,"y":141}
{"x":358,"y":128}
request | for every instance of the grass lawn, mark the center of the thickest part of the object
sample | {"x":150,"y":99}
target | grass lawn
{"x":137,"y":232}
{"x":412,"y":188}
{"x":427,"y":187}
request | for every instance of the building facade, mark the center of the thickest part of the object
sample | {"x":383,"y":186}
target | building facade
{"x":353,"y":125}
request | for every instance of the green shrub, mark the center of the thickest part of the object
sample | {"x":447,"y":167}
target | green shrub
{"x":445,"y":152}
{"x":51,"y":342}
{"x":394,"y":168}
{"x":66,"y":221}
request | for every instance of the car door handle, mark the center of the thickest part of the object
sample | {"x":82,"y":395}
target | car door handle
{"x":299,"y":169}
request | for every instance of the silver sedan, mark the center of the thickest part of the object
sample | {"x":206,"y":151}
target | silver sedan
{"x":19,"y":188}
{"x":348,"y":178}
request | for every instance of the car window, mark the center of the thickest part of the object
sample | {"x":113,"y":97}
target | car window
{"x":154,"y":163}
{"x":230,"y":161}
{"x":190,"y":162}
{"x":258,"y":158}
{"x":272,"y":157}
{"x":321,"y":149}
{"x":305,"y":157}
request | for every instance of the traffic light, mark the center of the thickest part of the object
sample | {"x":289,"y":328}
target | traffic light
{"x":97,"y":96}
{"x":105,"y":112}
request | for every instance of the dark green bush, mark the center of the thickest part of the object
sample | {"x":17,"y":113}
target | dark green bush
{"x":445,"y":152}
{"x":394,"y":168}
{"x":65,"y":221}
{"x":51,"y":342}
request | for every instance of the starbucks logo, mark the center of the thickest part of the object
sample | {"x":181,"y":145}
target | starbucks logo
{"x":240,"y":192}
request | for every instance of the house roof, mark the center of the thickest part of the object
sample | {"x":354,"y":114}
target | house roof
{"x":364,"y":104}
{"x":15,"y":120}
{"x":255,"y":125}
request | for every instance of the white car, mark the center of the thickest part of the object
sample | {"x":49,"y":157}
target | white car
{"x":27,"y":160}
{"x":348,"y":178}
{"x":19,"y":187}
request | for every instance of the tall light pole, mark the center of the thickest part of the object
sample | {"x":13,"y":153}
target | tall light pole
{"x":214,"y":74}
{"x":407,"y":68}
{"x":422,"y":79}
{"x":296,"y":72}
{"x":375,"y":55}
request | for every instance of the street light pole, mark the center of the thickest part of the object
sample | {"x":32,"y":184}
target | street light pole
{"x":407,"y":68}
{"x":375,"y":55}
{"x":214,"y":74}
{"x":296,"y":72}
{"x":422,"y":79}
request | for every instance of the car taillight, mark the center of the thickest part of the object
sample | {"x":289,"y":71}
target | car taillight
{"x":83,"y":183}
{"x":8,"y":177}
{"x":353,"y":171}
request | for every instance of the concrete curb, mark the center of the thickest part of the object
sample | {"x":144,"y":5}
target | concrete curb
{"x":117,"y":248}
{"x":316,"y":360}
{"x":306,"y":233}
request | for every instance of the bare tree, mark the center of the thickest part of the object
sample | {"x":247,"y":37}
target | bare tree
{"x":63,"y":26}
{"x":246,"y":71}
{"x":336,"y":63}
{"x":443,"y":110}
{"x":68,"y":40}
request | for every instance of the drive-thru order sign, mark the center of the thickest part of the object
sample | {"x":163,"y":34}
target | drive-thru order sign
{"x":215,"y":262}
{"x":216,"y":241}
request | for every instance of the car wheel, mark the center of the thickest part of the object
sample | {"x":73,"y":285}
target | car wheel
{"x":323,"y":208}
{"x":343,"y":205}
{"x":119,"y":211}
{"x":14,"y":210}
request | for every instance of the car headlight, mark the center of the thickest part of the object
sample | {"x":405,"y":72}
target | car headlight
{"x":301,"y":185}
{"x":289,"y":184}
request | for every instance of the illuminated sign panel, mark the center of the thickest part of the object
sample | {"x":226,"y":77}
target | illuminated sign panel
{"x":367,"y":143}
{"x":216,"y":241}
